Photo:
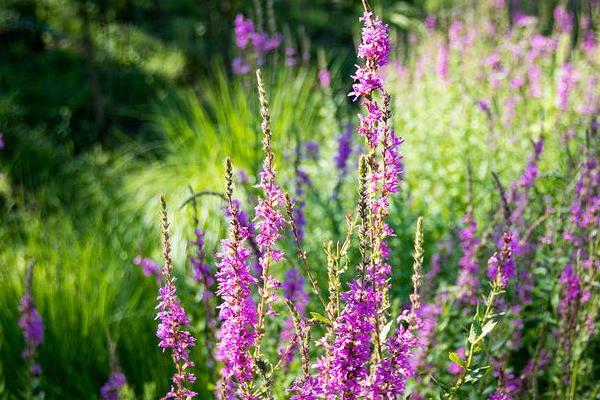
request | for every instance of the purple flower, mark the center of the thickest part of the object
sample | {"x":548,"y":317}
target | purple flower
{"x":312,"y":149}
{"x":395,"y":368}
{"x":365,"y":83}
{"x":293,"y":290}
{"x":1,"y":141}
{"x":427,"y":314}
{"x":111,"y":389}
{"x":346,"y":368}
{"x":244,"y":29}
{"x":306,"y":388}
{"x":149,"y":267}
{"x":173,"y":321}
{"x":324,"y":78}
{"x":501,"y":266}
{"x":375,"y":45}
{"x":534,"y":76}
{"x":499,"y":395}
{"x":563,"y":19}
{"x":263,"y":43}
{"x":237,"y":333}
{"x":430,"y":23}
{"x":585,"y":209}
{"x":290,"y":56}
{"x":270,"y":222}
{"x":239,"y":66}
{"x":589,"y":42}
{"x":565,"y":84}
{"x":571,"y":290}
{"x":172,"y":335}
{"x":32,"y":326}
{"x":202,"y":272}
{"x":468,"y":281}
{"x":443,"y":62}
{"x":344,"y":150}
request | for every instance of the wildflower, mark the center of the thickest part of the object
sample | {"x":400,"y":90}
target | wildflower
{"x":499,"y":395}
{"x":393,"y":371}
{"x":290,"y":56}
{"x":571,"y":290}
{"x":306,"y":388}
{"x":202,"y":272}
{"x":244,"y":30}
{"x":270,"y":221}
{"x":172,"y":323}
{"x":324,"y":78}
{"x":375,"y":45}
{"x":293,"y":290}
{"x":534,"y":76}
{"x":110,"y":390}
{"x":237,"y":314}
{"x":149,"y":267}
{"x":32,"y":325}
{"x":501,"y":265}
{"x":1,"y":141}
{"x":430,"y":23}
{"x":589,"y":43}
{"x":443,"y":61}
{"x":344,"y":150}
{"x":312,"y":149}
{"x":565,"y":84}
{"x":239,"y":66}
{"x":346,"y":368}
{"x":563,"y":19}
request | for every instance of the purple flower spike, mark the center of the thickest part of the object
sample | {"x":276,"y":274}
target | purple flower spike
{"x":238,"y":311}
{"x":32,"y":326}
{"x":110,"y":390}
{"x":149,"y":267}
{"x":347,"y":367}
{"x":173,"y":321}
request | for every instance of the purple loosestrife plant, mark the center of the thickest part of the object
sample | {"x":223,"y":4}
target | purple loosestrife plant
{"x":237,"y":333}
{"x":345,"y":371}
{"x":269,"y":218}
{"x":385,"y":170}
{"x":149,"y":267}
{"x":173,"y":321}
{"x":294,"y":291}
{"x":202,"y":271}
{"x":396,"y":362}
{"x":111,"y":389}
{"x":31,"y":325}
{"x":487,"y":320}
{"x":253,"y":45}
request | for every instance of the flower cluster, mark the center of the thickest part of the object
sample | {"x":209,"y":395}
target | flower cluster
{"x":111,"y":389}
{"x":293,"y":290}
{"x":33,"y":331}
{"x":149,"y":267}
{"x":253,"y":44}
{"x":173,"y":320}
{"x":345,"y":370}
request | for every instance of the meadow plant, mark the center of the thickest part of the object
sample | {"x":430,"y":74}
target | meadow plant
{"x":508,"y":308}
{"x":32,"y":327}
{"x":171,"y":331}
